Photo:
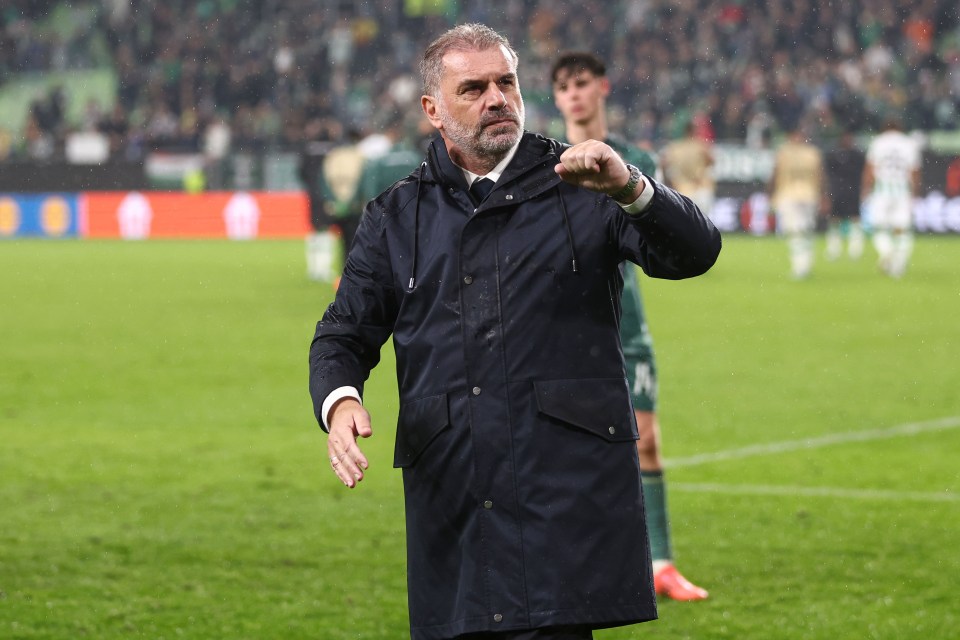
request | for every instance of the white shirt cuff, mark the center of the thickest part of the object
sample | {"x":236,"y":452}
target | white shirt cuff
{"x":642,"y":201}
{"x":338,"y":394}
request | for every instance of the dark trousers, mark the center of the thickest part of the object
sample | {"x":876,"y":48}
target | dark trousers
{"x":547,"y":633}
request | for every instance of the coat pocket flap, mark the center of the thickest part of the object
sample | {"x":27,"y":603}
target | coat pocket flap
{"x":419,"y":422}
{"x":600,"y":406}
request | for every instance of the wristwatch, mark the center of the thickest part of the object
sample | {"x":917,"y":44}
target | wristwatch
{"x":632,"y":183}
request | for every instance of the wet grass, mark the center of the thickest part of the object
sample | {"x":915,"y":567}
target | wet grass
{"x":162,"y":475}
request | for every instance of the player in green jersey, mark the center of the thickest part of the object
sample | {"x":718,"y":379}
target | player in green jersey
{"x":580,"y":89}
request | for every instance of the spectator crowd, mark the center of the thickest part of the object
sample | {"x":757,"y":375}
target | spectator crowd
{"x":212,"y":75}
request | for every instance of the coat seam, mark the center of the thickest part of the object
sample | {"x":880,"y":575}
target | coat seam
{"x":513,"y":455}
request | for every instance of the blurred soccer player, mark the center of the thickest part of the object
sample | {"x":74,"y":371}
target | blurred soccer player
{"x":890,"y":181}
{"x":687,"y":164}
{"x":796,"y":192}
{"x":844,"y":169}
{"x":580,"y":89}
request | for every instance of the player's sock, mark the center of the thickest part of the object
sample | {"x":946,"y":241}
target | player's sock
{"x":883,"y":243}
{"x":321,"y":247}
{"x":855,"y":243}
{"x":801,"y":255}
{"x":834,"y":243}
{"x":902,"y":250}
{"x":658,"y":524}
{"x":313,"y":258}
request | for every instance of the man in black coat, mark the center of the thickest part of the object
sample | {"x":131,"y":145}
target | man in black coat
{"x":515,"y":432}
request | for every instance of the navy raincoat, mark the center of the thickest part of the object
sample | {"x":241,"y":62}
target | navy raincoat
{"x":515,"y":432}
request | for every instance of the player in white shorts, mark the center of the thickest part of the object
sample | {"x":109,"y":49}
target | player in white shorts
{"x":890,"y":180}
{"x":797,"y":192}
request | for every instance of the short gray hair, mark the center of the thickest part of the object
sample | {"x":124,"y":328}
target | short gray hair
{"x":463,"y":37}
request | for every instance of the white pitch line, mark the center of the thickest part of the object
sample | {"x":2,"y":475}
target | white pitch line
{"x":818,"y":492}
{"x":911,"y":429}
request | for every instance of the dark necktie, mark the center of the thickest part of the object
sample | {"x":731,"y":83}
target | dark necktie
{"x":480,"y":188}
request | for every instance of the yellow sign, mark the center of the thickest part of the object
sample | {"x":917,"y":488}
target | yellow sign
{"x":9,"y":216}
{"x":55,"y":216}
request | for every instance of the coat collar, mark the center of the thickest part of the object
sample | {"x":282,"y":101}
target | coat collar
{"x":531,"y":170}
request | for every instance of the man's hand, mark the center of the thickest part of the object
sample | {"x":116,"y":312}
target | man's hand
{"x":347,"y":421}
{"x":594,"y":165}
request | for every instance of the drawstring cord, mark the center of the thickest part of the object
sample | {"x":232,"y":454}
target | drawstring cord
{"x":416,"y":229}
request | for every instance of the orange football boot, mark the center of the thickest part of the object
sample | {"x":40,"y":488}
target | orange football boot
{"x":670,"y":583}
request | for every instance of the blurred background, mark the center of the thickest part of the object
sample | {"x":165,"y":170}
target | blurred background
{"x":233,"y":94}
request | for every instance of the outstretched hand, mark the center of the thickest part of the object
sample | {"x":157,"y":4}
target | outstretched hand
{"x":348,"y":420}
{"x":593,"y":165}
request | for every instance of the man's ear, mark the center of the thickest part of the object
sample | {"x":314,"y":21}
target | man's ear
{"x":605,"y":86}
{"x":432,"y":110}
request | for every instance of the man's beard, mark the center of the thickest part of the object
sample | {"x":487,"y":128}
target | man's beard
{"x":485,"y":140}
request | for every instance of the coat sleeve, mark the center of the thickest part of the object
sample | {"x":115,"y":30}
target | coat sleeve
{"x":670,"y":239}
{"x":347,"y":342}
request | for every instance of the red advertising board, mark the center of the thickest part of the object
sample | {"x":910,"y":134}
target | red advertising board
{"x":151,"y":214}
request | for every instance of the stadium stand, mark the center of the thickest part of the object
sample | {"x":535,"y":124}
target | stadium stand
{"x":181,"y":75}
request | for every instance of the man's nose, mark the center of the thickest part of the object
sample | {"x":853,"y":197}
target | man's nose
{"x":496,"y":99}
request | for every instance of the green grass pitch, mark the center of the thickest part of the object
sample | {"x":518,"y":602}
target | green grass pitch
{"x":162,"y":476}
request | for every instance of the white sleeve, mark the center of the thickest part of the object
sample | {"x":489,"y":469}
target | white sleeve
{"x":642,"y":201}
{"x":337,"y":394}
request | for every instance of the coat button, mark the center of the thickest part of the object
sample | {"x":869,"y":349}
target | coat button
{"x":498,"y":617}
{"x":508,"y":197}
{"x":488,"y":504}
{"x":476,"y":391}
{"x":612,"y":430}
{"x":468,"y":279}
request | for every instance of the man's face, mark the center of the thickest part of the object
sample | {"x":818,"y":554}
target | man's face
{"x":579,"y":95}
{"x":479,"y":109}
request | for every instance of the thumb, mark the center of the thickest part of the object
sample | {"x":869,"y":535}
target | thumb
{"x":361,"y":422}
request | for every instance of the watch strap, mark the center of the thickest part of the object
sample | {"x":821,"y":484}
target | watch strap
{"x":632,"y":183}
